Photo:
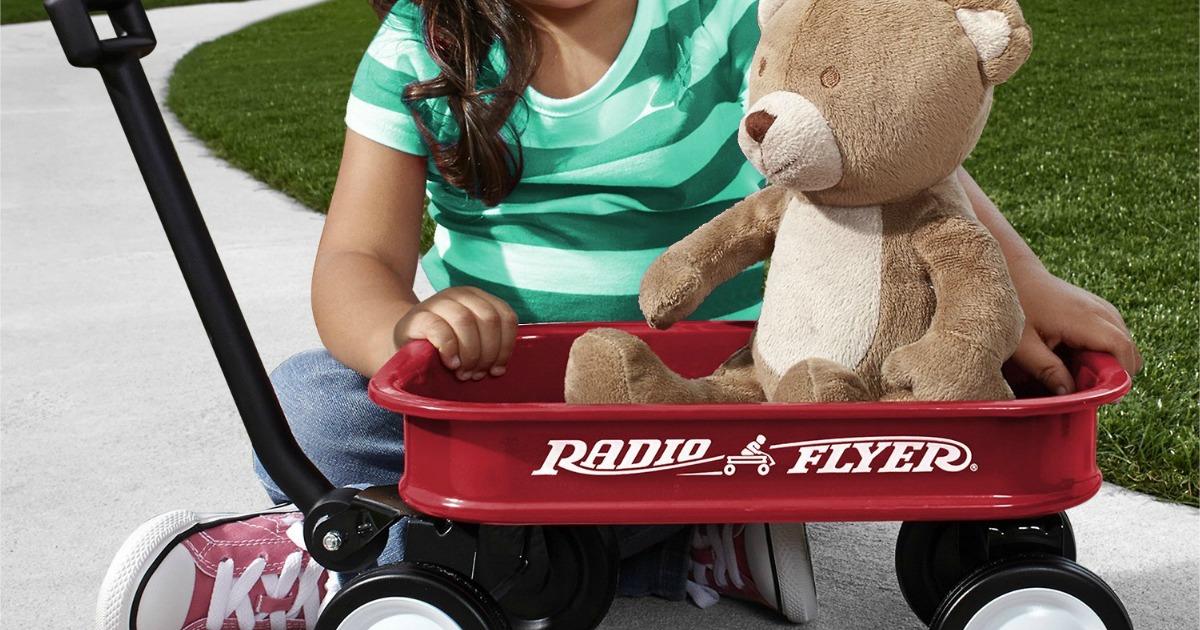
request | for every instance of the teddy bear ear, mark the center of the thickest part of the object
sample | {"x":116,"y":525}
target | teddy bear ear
{"x":767,"y":10}
{"x":999,"y":33}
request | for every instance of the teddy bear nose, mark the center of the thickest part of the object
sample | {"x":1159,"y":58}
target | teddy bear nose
{"x":757,"y":124}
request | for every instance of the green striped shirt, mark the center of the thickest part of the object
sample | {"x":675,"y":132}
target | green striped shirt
{"x":611,"y":177}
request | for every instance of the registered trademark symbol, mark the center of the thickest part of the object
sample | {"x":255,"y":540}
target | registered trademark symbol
{"x":974,"y":467}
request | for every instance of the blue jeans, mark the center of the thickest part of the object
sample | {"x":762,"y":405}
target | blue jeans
{"x":356,"y":443}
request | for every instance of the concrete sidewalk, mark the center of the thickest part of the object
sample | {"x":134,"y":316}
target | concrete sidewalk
{"x":114,"y":409}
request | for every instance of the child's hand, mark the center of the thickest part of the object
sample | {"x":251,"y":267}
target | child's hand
{"x":472,"y":330}
{"x":1059,"y":312}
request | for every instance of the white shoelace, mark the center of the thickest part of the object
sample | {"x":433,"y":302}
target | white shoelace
{"x":724,"y":567}
{"x":231,"y":596}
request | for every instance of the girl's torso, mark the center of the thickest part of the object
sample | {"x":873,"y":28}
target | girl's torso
{"x":611,"y":176}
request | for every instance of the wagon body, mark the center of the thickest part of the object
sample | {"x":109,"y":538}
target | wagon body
{"x":508,"y":450}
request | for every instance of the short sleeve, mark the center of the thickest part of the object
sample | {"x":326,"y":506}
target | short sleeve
{"x":393,"y":60}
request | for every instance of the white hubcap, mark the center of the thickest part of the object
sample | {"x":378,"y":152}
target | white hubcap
{"x":1036,"y":609}
{"x":398,"y":613}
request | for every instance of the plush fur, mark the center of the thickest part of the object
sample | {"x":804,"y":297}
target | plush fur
{"x":883,"y":285}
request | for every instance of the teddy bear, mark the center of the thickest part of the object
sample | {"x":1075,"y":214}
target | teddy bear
{"x":882,"y":283}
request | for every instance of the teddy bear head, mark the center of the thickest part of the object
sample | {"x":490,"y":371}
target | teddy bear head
{"x":862,"y":102}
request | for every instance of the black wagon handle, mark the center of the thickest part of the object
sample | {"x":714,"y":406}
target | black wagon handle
{"x":119,"y":62}
{"x":334,"y":515}
{"x":77,"y":34}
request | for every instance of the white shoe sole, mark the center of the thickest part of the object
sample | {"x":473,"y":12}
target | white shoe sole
{"x":794,"y":584}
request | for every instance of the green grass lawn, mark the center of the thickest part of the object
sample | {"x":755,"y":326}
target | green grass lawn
{"x":271,"y":98}
{"x":1091,"y":152}
{"x":13,"y":11}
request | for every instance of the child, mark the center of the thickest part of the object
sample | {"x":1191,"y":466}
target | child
{"x":563,"y":145}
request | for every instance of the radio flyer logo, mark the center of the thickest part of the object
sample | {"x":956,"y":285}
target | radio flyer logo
{"x":691,"y":457}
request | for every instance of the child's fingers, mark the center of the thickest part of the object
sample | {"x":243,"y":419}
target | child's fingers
{"x":498,"y":330}
{"x":508,"y":337}
{"x":435,"y":330}
{"x":1099,"y":326}
{"x":1039,"y":360}
{"x":1107,"y":337}
{"x":463,"y":322}
{"x":1111,"y":313}
{"x":473,"y":330}
{"x":502,"y":325}
{"x":1120,"y":340}
{"x":1130,"y":358}
{"x":488,"y":322}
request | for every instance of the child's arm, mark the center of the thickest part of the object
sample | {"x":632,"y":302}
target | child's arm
{"x":362,"y":292}
{"x":1055,"y":311}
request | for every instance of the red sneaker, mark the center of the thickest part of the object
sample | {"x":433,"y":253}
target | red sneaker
{"x":183,"y":571}
{"x":764,"y":563}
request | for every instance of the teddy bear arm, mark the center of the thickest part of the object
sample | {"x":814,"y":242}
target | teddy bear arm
{"x":976,"y":322}
{"x":683,"y":276}
{"x":975,"y":297}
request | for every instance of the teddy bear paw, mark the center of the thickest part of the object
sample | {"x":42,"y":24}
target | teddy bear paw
{"x":671,"y":290}
{"x":608,"y":366}
{"x":940,"y":368}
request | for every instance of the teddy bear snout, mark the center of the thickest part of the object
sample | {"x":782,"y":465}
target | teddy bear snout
{"x":757,"y":124}
{"x":789,"y":141}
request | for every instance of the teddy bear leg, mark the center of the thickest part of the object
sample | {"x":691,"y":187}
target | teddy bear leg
{"x":609,"y":366}
{"x":735,"y":380}
{"x":821,"y":380}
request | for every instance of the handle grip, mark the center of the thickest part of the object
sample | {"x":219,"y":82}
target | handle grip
{"x":72,"y":22}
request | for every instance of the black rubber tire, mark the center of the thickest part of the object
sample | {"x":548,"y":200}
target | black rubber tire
{"x":452,"y":593}
{"x":932,"y":558}
{"x":1036,"y":571}
{"x":930,"y":561}
{"x":580,"y":584}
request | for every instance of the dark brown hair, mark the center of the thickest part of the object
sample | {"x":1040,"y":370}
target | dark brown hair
{"x":459,"y":35}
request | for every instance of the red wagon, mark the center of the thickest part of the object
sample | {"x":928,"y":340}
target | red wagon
{"x":508,"y":450}
{"x":982,"y":486}
{"x":507,"y":489}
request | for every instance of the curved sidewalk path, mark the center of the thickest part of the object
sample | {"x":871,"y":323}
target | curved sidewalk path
{"x":114,"y":410}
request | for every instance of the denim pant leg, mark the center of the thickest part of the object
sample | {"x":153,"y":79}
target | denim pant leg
{"x":350,"y":439}
{"x":654,"y":560}
{"x":354,"y":442}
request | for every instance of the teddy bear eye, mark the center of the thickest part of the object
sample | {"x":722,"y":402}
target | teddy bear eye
{"x":830,"y":77}
{"x":762,"y":66}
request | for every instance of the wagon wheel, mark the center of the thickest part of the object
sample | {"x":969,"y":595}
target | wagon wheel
{"x":578,"y":587}
{"x":933,"y":557}
{"x":1033,"y":592}
{"x":412,"y":595}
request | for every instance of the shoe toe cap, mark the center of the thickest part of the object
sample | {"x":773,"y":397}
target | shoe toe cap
{"x":167,"y":597}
